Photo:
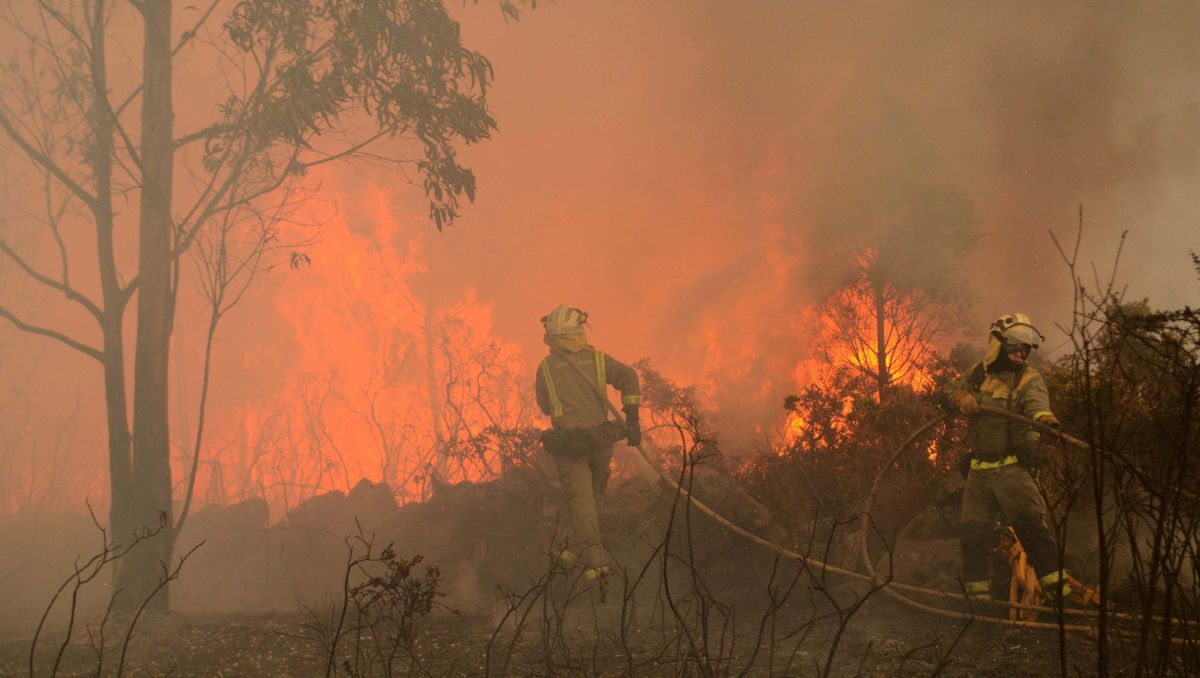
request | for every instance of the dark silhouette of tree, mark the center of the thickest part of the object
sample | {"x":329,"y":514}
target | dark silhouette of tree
{"x":887,"y":241}
{"x":90,"y":136}
{"x":884,"y":332}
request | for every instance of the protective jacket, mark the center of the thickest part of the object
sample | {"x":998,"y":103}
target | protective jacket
{"x":574,"y":403}
{"x":993,"y":437}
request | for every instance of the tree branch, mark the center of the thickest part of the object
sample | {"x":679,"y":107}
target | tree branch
{"x":68,"y":291}
{"x":34,"y":329}
{"x":45,"y":161}
{"x":206,"y":133}
{"x":346,"y":152}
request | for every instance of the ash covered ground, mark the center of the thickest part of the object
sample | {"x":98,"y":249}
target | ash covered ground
{"x":691,"y":598}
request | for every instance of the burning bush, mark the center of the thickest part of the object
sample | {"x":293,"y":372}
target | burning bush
{"x":840,"y":435}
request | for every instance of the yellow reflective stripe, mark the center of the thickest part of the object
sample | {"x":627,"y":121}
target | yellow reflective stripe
{"x":1053,"y":578}
{"x":1056,"y":580}
{"x":983,"y":465}
{"x":556,"y":408}
{"x":631,"y":400}
{"x":1024,"y":379}
{"x":601,"y":370}
{"x":1042,"y":413}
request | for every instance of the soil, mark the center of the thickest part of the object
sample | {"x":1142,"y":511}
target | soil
{"x":261,"y":600}
{"x":882,"y":639}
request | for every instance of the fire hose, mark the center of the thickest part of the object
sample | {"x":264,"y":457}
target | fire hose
{"x":886,"y":584}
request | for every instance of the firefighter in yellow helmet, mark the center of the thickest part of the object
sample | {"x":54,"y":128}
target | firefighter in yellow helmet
{"x":1003,"y":456}
{"x":581,"y":436}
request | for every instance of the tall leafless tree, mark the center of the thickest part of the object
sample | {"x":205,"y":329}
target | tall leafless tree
{"x":89,"y":128}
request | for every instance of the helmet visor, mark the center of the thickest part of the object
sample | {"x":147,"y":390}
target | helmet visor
{"x":1023,"y":334}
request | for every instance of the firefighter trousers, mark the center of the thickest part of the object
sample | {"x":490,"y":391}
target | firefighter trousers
{"x":1011,"y":492}
{"x":584,"y":478}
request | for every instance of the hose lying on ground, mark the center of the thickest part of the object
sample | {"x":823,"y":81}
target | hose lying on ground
{"x":886,"y":584}
{"x":893,"y":588}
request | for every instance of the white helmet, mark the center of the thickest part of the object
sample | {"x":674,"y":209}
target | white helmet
{"x":564,"y":320}
{"x":1016,"y":328}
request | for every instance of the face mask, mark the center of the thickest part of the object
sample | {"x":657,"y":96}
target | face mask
{"x":571,"y":343}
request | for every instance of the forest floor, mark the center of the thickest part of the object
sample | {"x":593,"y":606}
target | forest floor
{"x":880,"y":639}
{"x":261,"y":599}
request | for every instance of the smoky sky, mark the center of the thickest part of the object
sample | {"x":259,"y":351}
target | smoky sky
{"x":665,"y":166}
{"x":671,"y":167}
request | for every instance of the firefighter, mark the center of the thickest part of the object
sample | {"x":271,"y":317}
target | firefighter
{"x":1004,"y":454}
{"x":572,"y":389}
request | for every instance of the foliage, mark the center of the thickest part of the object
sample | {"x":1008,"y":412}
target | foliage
{"x":1138,"y":384}
{"x":89,"y":126}
{"x":843,"y":434}
{"x":1131,"y":391}
{"x":667,"y":404}
{"x":401,"y":63}
{"x":380,"y":614}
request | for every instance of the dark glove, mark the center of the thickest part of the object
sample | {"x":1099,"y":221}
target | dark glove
{"x":635,"y":428}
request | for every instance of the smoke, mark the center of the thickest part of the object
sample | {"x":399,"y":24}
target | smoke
{"x":696,"y":174}
{"x":700,"y":150}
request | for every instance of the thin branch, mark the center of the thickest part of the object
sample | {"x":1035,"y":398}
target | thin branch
{"x":68,"y":291}
{"x":346,"y":152}
{"x":45,"y":161}
{"x":53,"y":334}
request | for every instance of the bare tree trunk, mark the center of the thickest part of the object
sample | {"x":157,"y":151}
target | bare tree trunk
{"x":881,"y":355}
{"x":114,"y":298}
{"x":121,"y":510}
{"x":151,"y":485}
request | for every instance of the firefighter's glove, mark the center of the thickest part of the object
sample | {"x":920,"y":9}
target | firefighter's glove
{"x":965,"y":402}
{"x":635,"y":427}
{"x":1052,"y":421}
{"x":1049,"y":420}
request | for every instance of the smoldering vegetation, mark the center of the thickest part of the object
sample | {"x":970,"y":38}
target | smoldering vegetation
{"x":472,"y":580}
{"x":819,"y":217}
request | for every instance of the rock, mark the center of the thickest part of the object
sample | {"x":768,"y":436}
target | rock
{"x":933,"y":523}
{"x":935,"y":563}
{"x":372,"y":504}
{"x":327,"y":510}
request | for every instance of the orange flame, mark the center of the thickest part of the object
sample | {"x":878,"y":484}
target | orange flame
{"x":383,"y":382}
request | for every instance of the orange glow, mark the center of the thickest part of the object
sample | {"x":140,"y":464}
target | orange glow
{"x":796,"y":427}
{"x":866,"y":358}
{"x":870,"y":322}
{"x":383,"y":382}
